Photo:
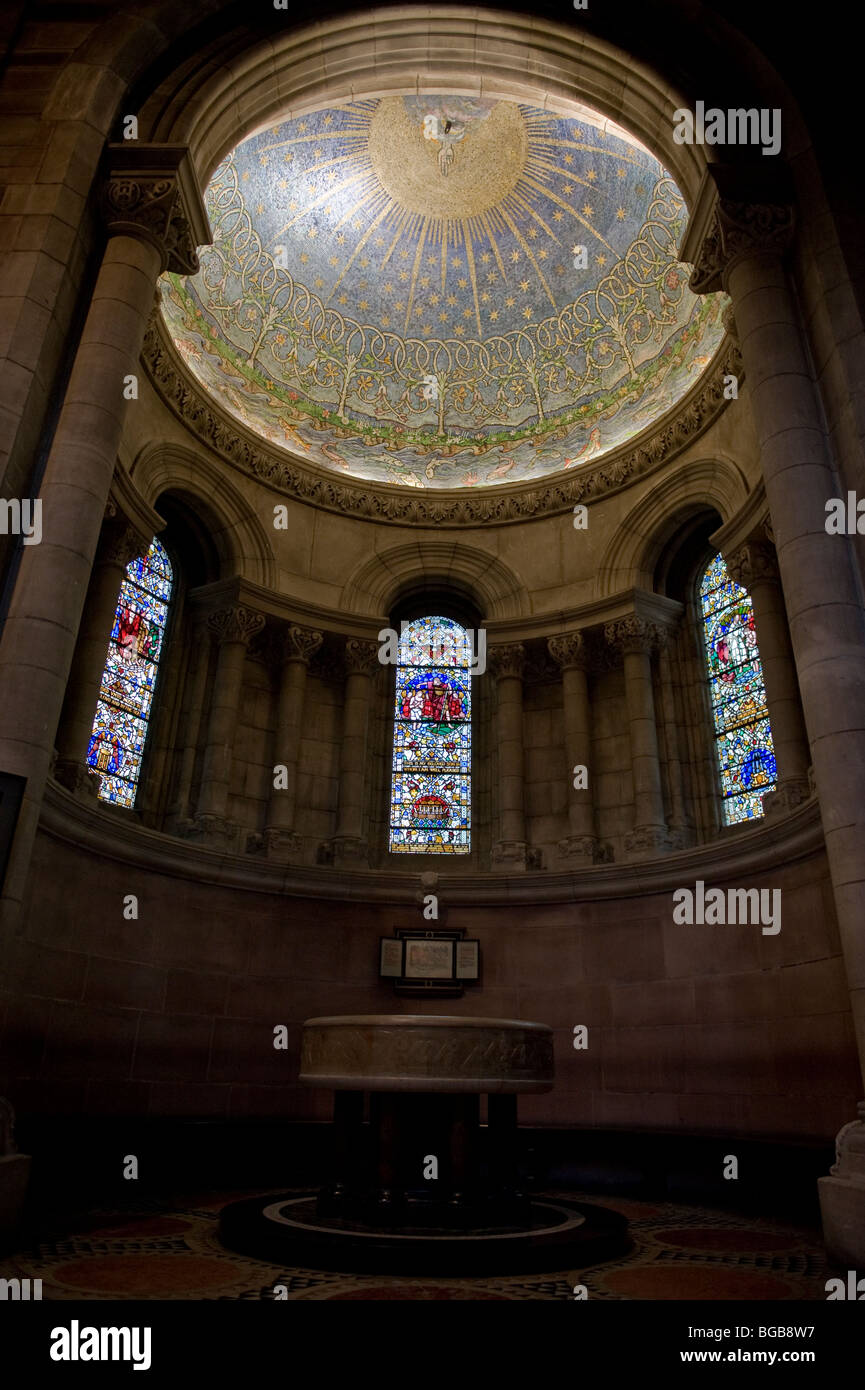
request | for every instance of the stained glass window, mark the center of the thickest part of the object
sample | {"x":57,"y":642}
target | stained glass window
{"x":430,"y":808}
{"x":120,"y":726}
{"x":743,"y":738}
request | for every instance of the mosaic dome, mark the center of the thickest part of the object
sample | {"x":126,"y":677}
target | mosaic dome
{"x":443,"y":291}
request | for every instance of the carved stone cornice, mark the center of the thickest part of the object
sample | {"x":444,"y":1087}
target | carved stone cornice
{"x":737,"y":230}
{"x":361,"y":658}
{"x":755,"y":562}
{"x":635,"y":634}
{"x":570,"y":649}
{"x":507,"y":661}
{"x":497,"y":506}
{"x":151,"y":192}
{"x":298,"y":644}
{"x":235,"y":624}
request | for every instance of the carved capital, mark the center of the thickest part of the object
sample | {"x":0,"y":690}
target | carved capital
{"x":150,"y":192}
{"x":738,"y":230}
{"x":361,"y":658}
{"x":635,"y":634}
{"x":507,"y":661}
{"x":585,"y":849}
{"x":120,"y":543}
{"x":569,"y":649}
{"x":235,"y":624}
{"x":753,"y":563}
{"x":644,"y":841}
{"x":298,"y":644}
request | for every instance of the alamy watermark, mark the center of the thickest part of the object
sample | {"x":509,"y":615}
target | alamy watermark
{"x":441,"y":652}
{"x":715,"y":907}
{"x":21,"y":517}
{"x":737,"y":126}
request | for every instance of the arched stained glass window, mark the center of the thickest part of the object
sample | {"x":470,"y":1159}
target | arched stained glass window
{"x":430,"y":808}
{"x":743,"y":738}
{"x":120,"y":726}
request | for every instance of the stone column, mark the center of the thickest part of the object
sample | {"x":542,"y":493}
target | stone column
{"x":233,"y":629}
{"x":738,"y":245}
{"x":681,"y":822}
{"x":636,"y":639}
{"x":190,"y":717}
{"x":362,"y":663}
{"x":754,"y":566}
{"x":155,"y":218}
{"x":569,"y":651}
{"x":297,"y":646}
{"x":119,"y":543}
{"x":506,"y":663}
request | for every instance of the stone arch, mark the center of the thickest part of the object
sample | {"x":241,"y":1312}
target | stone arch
{"x":221,"y":86}
{"x":240,"y":539}
{"x":379,"y":582}
{"x":631,"y":556}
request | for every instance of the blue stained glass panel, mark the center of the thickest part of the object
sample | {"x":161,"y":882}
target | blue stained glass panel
{"x":129,"y":676}
{"x":743,"y":737}
{"x":431,"y":782}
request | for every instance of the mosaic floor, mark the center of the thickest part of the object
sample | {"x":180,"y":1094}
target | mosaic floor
{"x":170,"y":1250}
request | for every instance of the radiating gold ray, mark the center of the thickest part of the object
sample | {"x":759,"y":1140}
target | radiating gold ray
{"x":597,"y":149}
{"x":470,"y":257}
{"x":530,"y":253}
{"x":414,"y":274}
{"x":560,"y":202}
{"x":494,"y":244}
{"x":360,"y":245}
{"x":524,"y":203}
{"x":329,"y":194}
{"x":400,"y":228}
{"x":371,"y":193}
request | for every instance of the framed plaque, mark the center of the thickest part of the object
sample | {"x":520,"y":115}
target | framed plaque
{"x":467,"y":960}
{"x":390,"y":962}
{"x":429,"y":960}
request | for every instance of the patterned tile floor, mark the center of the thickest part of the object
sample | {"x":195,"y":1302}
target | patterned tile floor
{"x":170,"y":1250}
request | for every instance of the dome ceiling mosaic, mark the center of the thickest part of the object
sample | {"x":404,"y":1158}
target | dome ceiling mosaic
{"x":442,"y":291}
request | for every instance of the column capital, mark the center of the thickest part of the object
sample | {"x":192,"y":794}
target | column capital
{"x":736,"y":230}
{"x":753,"y":563}
{"x":151,"y":192}
{"x":298,"y":644}
{"x":507,"y":660}
{"x":361,"y":657}
{"x":235,"y":624}
{"x":633,"y":634}
{"x":120,"y":542}
{"x":569,"y":649}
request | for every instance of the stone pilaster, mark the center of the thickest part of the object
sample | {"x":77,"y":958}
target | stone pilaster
{"x":506,"y":663}
{"x":348,"y":845}
{"x":754,"y":566}
{"x":571,"y":655}
{"x":232,"y":628}
{"x":155,"y":219}
{"x":297,"y":646}
{"x":636,"y":639}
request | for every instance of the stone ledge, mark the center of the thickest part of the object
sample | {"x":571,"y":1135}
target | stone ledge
{"x":739,"y":855}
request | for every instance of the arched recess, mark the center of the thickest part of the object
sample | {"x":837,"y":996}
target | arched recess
{"x":632,"y":555}
{"x":241,"y":541}
{"x":392,"y":575}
